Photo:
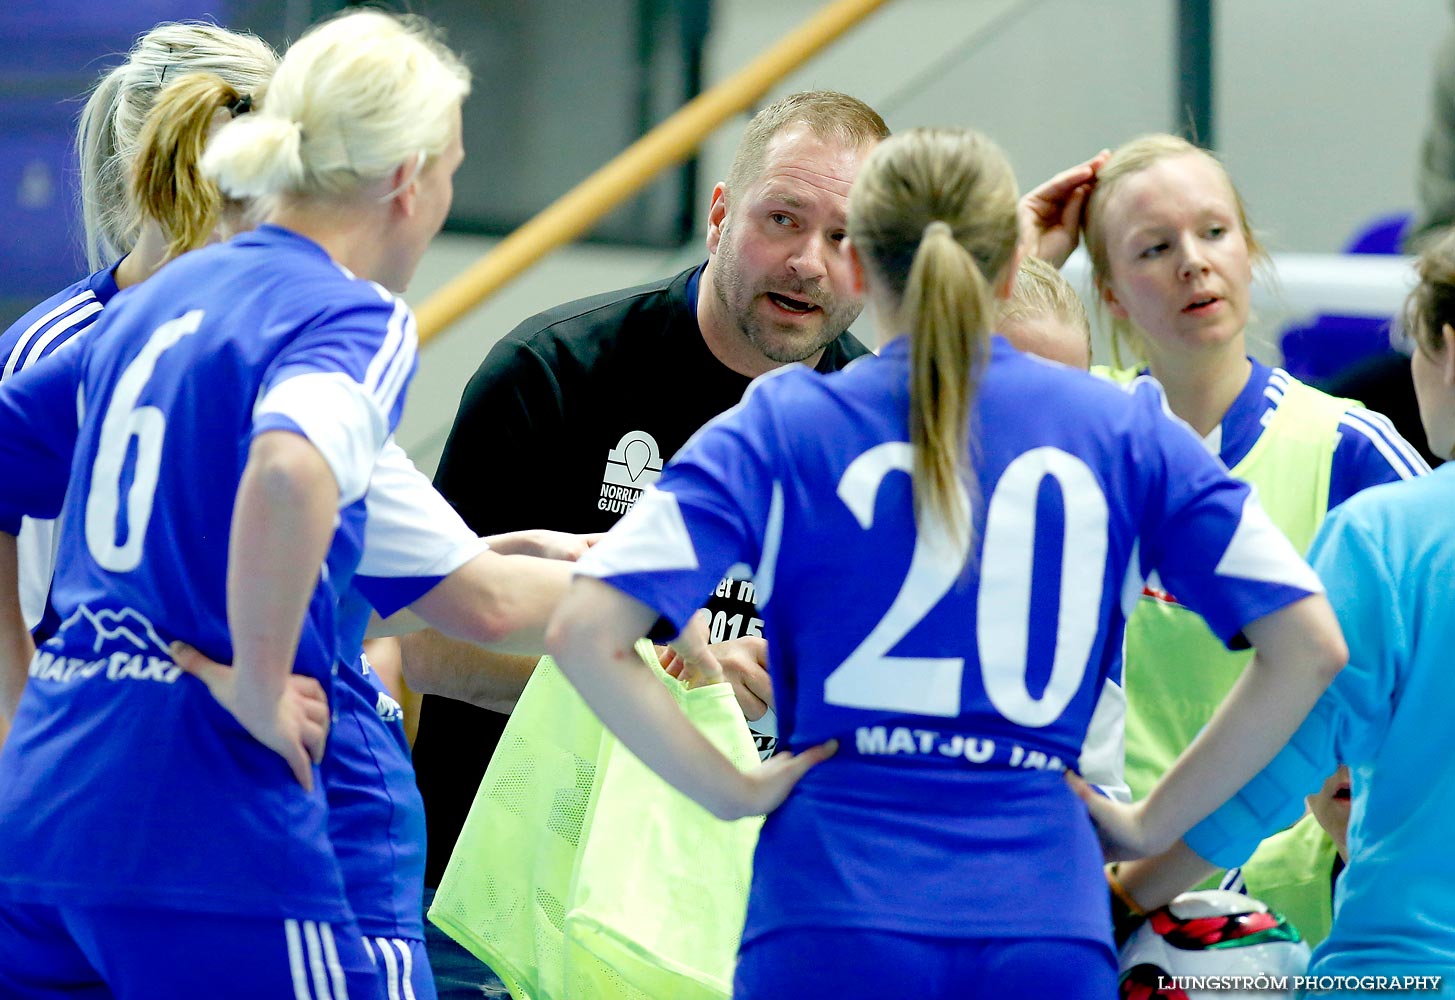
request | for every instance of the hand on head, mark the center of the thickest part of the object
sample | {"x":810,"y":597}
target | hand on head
{"x":1050,"y":215}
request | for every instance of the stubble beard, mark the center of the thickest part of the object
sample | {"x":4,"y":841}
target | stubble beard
{"x":782,"y":344}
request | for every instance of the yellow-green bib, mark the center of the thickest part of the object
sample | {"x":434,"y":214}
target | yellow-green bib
{"x":1177,"y":672}
{"x":1291,"y":872}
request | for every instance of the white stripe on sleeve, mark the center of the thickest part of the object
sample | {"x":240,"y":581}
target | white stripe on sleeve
{"x":397,"y":374}
{"x":13,"y":362}
{"x":339,"y":419}
{"x":62,"y":331}
{"x":767,"y":570}
{"x":1398,"y":452}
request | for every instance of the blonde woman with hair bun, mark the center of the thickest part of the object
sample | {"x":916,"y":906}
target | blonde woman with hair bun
{"x":211,"y":487}
{"x":977,"y":512}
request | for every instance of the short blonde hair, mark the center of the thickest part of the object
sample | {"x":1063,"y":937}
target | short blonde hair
{"x":828,"y":114}
{"x":1040,"y":290}
{"x":352,"y":99}
{"x":108,"y":133}
{"x":1131,"y":158}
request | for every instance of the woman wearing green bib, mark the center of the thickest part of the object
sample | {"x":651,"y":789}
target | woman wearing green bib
{"x":1172,"y":261}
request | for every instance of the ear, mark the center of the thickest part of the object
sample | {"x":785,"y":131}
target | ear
{"x":857,"y":284}
{"x":1112,"y":305}
{"x":1447,"y":358}
{"x":404,"y":185}
{"x":716,"y":216}
{"x":1005,"y":284}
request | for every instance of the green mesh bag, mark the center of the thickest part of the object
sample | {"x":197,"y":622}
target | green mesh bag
{"x":581,"y":874}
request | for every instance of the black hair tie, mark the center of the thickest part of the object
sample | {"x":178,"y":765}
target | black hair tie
{"x":241,"y":106}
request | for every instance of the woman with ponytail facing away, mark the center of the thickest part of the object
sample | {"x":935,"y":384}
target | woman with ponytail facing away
{"x":931,"y":696}
{"x":161,"y":836}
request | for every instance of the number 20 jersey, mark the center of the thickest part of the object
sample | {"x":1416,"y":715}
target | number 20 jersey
{"x":959,"y":677}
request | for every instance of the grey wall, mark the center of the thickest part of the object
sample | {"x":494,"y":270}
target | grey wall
{"x":1320,"y":107}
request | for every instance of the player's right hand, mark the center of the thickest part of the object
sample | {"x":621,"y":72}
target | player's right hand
{"x":294,"y":724}
{"x":776,"y":776}
{"x":1050,"y":215}
{"x":1119,"y":825}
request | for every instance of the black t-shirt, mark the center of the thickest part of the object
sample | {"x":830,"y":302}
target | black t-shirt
{"x":567,"y":420}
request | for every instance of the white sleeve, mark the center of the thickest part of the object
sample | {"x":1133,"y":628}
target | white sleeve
{"x":339,"y":418}
{"x":411,"y":530}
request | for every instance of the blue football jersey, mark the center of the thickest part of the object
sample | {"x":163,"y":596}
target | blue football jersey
{"x":959,"y":677}
{"x":35,"y":336}
{"x":124,"y":780}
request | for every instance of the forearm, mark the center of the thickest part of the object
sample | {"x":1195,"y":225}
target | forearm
{"x":282,"y":526}
{"x":1154,"y":882}
{"x":436,"y":664}
{"x":593,"y":641}
{"x":501,"y":602}
{"x":1300,"y":650}
{"x":16,"y":648}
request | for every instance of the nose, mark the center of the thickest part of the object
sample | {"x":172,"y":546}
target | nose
{"x":1194,"y":260}
{"x":808,"y":259}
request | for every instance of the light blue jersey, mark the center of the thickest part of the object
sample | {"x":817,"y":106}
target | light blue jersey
{"x":1388,"y":558}
{"x":936,"y":664}
{"x":123,"y":779}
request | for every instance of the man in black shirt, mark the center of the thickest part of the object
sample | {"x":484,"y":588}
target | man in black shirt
{"x":573,"y":413}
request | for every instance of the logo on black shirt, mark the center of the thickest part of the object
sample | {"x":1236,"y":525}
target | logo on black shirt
{"x":632,"y":466}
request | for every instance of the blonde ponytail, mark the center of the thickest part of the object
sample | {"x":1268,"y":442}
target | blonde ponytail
{"x":108,"y":133}
{"x":167,"y":183}
{"x":948,"y":304}
{"x":353,"y":99}
{"x":257,"y":157}
{"x":933,"y":216}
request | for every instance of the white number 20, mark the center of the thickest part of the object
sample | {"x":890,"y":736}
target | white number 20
{"x":123,"y":421}
{"x":871,"y":678}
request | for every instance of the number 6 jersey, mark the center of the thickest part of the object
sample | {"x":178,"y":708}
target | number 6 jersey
{"x":122,"y":779}
{"x":959,"y":678}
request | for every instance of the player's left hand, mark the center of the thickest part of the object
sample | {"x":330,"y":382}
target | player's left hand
{"x":294,"y":725}
{"x":771,"y":782}
{"x":1118,"y":824}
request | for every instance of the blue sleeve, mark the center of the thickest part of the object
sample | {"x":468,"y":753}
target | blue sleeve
{"x":1208,"y":540}
{"x":1350,"y":718}
{"x":683,"y":535}
{"x":341,"y":384}
{"x":39,"y":423}
{"x":1370,"y":451}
